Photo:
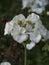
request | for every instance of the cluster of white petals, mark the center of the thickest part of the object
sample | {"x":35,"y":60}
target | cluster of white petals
{"x":5,"y":63}
{"x":22,"y":28}
{"x":37,"y":6}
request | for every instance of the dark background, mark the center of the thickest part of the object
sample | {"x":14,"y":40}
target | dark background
{"x":12,"y":51}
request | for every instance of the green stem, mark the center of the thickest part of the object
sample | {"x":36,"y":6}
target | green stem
{"x":25,"y":56}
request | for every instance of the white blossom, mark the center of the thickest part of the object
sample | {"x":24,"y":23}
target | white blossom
{"x":37,"y":6}
{"x":5,"y":63}
{"x":22,"y":28}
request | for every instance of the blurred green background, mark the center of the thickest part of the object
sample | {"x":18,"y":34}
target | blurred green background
{"x":14,"y":52}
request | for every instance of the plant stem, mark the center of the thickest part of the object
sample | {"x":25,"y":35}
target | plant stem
{"x":25,"y":56}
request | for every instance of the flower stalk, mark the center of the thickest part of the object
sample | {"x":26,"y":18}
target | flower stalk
{"x":25,"y":58}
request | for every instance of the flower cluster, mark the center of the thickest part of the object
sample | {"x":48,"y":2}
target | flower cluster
{"x":26,"y":30}
{"x":37,"y":6}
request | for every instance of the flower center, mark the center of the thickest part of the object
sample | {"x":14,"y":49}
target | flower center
{"x":30,"y":23}
{"x":23,"y":24}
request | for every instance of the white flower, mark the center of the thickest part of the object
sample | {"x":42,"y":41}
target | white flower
{"x":5,"y":63}
{"x":23,"y":29}
{"x":15,"y":30}
{"x":37,"y":6}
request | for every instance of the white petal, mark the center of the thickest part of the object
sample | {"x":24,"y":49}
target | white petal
{"x":33,"y":18}
{"x":20,"y":38}
{"x":30,"y":46}
{"x":38,"y":10}
{"x":35,"y":37}
{"x":19,"y":17}
{"x":42,"y":30}
{"x":16,"y":30}
{"x":8,"y":27}
{"x":5,"y":63}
